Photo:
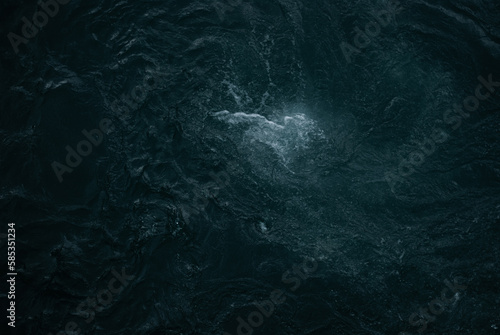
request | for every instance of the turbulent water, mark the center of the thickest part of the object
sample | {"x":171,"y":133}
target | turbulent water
{"x":250,"y":148}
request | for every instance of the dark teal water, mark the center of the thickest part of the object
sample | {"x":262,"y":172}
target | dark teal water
{"x":238,"y":139}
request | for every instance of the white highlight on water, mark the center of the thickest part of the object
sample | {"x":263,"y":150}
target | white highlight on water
{"x":287,"y":139}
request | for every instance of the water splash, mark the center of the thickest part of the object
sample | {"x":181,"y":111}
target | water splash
{"x":288,"y":139}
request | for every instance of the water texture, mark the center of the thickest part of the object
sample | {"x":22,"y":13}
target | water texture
{"x":251,"y":167}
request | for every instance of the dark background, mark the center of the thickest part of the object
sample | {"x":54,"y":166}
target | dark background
{"x":305,"y":144}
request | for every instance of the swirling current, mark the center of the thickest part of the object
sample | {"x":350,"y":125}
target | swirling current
{"x":250,"y":167}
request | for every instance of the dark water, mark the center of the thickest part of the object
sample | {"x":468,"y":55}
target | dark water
{"x":253,"y":145}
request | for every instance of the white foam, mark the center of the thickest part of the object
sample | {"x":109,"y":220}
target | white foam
{"x":286,"y":138}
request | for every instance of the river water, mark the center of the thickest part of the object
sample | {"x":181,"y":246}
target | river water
{"x":211,"y":156}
